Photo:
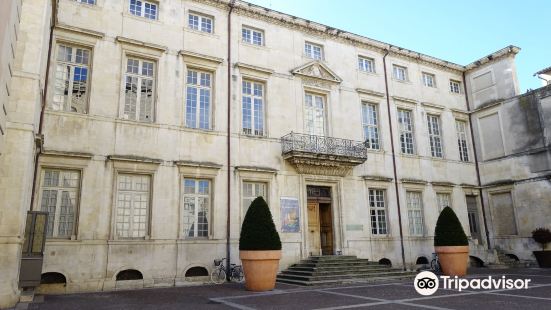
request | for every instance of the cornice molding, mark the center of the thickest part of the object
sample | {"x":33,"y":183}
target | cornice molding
{"x":370,"y":92}
{"x":80,"y":31}
{"x":142,"y":44}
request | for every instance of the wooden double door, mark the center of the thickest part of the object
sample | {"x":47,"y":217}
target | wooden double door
{"x":320,"y":228}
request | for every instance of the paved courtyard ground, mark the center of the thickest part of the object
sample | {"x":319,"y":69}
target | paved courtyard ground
{"x":380,"y":296}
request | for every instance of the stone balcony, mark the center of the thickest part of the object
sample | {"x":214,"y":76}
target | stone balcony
{"x":322,"y":155}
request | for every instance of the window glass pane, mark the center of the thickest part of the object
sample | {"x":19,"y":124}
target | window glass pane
{"x":59,"y":194}
{"x":193,"y":21}
{"x":196,"y":208}
{"x":71,"y":79}
{"x":132,"y":206}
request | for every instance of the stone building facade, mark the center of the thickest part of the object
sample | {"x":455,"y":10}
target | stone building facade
{"x":164,"y":119}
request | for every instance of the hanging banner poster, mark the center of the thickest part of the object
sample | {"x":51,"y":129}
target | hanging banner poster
{"x":290,"y":215}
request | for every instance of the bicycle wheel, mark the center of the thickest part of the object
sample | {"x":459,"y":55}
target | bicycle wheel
{"x":218,"y":276}
{"x":237,"y":274}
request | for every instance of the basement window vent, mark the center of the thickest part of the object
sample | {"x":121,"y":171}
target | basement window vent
{"x":129,"y":274}
{"x":52,"y":278}
{"x":197,"y":272}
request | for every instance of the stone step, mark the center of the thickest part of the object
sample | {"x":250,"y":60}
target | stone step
{"x":348,"y":280}
{"x":343,"y":276}
{"x":335,"y":271}
{"x":306,"y":263}
{"x":334,"y":268}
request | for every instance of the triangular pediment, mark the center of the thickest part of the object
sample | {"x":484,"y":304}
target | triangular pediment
{"x":317,"y":70}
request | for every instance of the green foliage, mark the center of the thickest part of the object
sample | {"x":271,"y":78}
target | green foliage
{"x":449,"y":231}
{"x":542,"y":236}
{"x":258,"y":232}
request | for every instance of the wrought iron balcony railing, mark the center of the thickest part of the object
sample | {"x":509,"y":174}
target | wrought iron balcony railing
{"x":302,"y":143}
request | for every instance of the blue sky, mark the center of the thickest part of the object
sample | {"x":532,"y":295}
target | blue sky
{"x":457,"y":31}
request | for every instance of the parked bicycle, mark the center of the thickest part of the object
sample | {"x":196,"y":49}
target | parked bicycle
{"x":435,"y":263}
{"x":218,"y":275}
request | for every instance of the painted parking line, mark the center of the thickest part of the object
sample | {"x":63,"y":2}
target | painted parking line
{"x":231,"y":301}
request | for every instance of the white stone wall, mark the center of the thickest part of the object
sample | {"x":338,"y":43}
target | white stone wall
{"x":90,"y":142}
{"x":20,"y":123}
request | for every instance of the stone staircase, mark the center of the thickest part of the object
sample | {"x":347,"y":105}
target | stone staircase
{"x":338,"y":269}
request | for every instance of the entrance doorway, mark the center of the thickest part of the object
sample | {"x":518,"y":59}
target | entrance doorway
{"x":320,"y":220}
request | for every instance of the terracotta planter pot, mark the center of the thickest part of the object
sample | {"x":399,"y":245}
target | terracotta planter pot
{"x":260,"y":268}
{"x":453,"y":259}
{"x":543,"y":258}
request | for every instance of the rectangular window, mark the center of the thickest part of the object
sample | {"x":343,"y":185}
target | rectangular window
{"x":315,"y":115}
{"x":59,"y":197}
{"x":377,"y":211}
{"x":370,"y":124}
{"x":313,"y":51}
{"x":198,"y":99}
{"x":253,"y":108}
{"x":366,"y":64}
{"x":455,"y":87}
{"x":196,"y":204}
{"x":406,"y":131}
{"x":251,"y":190}
{"x":433,"y":124}
{"x":200,"y":23}
{"x":87,"y":1}
{"x":461,"y":128}
{"x":143,"y":8}
{"x":252,"y":36}
{"x":429,"y":80}
{"x":400,"y":73}
{"x":415,"y":213}
{"x":443,"y":200}
{"x":72,"y":74}
{"x":139,"y":91}
{"x":133,"y":196}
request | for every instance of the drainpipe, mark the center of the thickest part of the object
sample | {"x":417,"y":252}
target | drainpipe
{"x":487,"y":233}
{"x":394,"y":162}
{"x":43,"y":102}
{"x":231,"y":5}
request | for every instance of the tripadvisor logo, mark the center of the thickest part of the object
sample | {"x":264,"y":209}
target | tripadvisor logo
{"x":426,"y":283}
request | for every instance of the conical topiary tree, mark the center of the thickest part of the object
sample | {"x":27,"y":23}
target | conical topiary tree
{"x":449,"y":231}
{"x":258,"y":231}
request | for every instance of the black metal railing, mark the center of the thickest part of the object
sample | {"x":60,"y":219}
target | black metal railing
{"x":323,"y":145}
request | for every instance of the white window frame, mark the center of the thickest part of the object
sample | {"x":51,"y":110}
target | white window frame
{"x":366,"y":64}
{"x":455,"y":87}
{"x":255,"y":93}
{"x":203,"y":85}
{"x":90,"y":2}
{"x":134,"y":194}
{"x":140,"y":78}
{"x":370,"y":125}
{"x":196,"y":196}
{"x":310,"y":51}
{"x":443,"y":199}
{"x":407,"y":131}
{"x":400,"y":73}
{"x":462,"y":142}
{"x":142,"y":9}
{"x":248,"y":36}
{"x":311,"y":115}
{"x":377,"y":211}
{"x":435,"y":136}
{"x":429,"y":79}
{"x":201,"y":22}
{"x":415,"y":213}
{"x":73,"y":189}
{"x":60,"y":101}
{"x":258,"y":189}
